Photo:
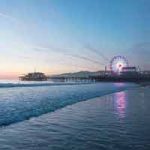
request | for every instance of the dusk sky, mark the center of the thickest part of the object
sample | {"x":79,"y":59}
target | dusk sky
{"x":57,"y":36}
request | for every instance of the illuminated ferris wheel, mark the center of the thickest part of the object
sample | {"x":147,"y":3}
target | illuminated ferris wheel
{"x":117,"y":63}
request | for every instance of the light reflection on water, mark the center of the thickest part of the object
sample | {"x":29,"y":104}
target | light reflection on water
{"x":121,"y":103}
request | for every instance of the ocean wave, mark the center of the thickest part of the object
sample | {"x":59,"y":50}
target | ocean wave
{"x":11,"y":85}
{"x":19,"y":104}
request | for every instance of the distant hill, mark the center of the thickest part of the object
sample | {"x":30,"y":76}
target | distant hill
{"x":81,"y":74}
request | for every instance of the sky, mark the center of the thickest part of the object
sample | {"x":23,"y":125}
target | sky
{"x":58,"y":36}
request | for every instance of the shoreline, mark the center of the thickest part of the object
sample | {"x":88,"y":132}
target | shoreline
{"x":38,"y":84}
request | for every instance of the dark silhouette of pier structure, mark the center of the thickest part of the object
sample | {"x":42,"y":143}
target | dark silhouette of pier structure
{"x":107,"y":76}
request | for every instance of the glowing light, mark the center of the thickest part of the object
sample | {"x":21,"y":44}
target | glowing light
{"x":117,"y":63}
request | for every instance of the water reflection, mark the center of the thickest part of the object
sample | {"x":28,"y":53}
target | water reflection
{"x":119,"y":84}
{"x":121,"y":103}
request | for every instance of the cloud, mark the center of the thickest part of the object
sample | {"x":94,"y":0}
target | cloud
{"x":99,"y":53}
{"x":63,"y":51}
{"x":86,"y":59}
{"x":11,"y":18}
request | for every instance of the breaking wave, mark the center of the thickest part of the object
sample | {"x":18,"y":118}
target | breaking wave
{"x":19,"y":104}
{"x":11,"y":85}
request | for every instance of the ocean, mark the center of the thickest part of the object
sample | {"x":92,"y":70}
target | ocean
{"x":66,"y":116}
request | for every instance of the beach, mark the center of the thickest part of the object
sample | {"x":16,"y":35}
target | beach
{"x":117,"y":121}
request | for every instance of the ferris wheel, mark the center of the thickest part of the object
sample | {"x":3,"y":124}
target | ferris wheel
{"x":117,"y":63}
